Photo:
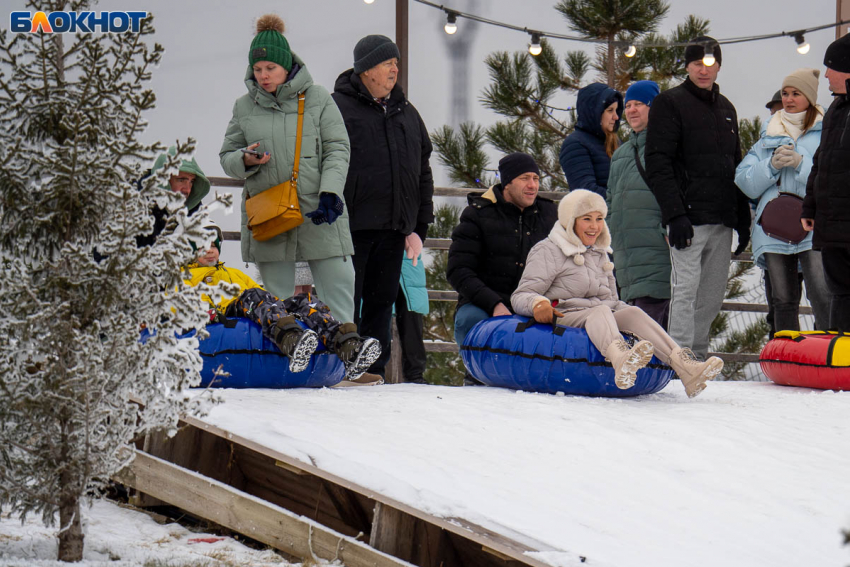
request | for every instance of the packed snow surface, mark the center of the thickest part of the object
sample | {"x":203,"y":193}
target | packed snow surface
{"x":746,"y":474}
{"x":118,"y":537}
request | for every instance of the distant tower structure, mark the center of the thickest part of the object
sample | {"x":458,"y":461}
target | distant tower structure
{"x":459,"y":47}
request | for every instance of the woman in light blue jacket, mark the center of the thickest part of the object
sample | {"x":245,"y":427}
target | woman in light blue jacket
{"x":780,"y":162}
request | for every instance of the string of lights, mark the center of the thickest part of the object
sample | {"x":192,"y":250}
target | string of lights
{"x":627,"y":49}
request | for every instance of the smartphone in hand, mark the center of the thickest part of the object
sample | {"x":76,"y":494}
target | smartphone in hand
{"x":254,"y":153}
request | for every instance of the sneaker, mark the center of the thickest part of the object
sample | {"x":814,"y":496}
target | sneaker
{"x":692,"y":372}
{"x":628,"y":360}
{"x":358,"y":354}
{"x":299,"y":346}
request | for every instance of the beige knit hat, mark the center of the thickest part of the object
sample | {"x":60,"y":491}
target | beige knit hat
{"x":805,"y":81}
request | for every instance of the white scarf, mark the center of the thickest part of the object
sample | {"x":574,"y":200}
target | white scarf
{"x":790,"y":124}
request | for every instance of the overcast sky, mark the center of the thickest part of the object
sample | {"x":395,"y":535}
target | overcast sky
{"x":206,"y":47}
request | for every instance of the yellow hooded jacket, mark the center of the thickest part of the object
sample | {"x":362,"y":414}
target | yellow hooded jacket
{"x":212,"y":275}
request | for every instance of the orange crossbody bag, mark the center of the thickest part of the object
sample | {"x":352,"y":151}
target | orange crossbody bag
{"x":276,"y":210}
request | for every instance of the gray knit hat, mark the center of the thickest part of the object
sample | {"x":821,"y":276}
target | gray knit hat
{"x":373,"y":49}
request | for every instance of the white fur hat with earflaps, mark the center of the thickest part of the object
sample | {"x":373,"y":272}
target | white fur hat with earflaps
{"x":575,"y":204}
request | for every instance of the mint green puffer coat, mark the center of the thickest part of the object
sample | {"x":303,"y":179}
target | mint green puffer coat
{"x":272,"y":119}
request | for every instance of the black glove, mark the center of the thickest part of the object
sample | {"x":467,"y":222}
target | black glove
{"x":330,"y":207}
{"x":743,"y":240}
{"x":681,"y":231}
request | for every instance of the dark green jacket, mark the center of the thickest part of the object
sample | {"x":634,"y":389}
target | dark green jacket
{"x":641,"y":255}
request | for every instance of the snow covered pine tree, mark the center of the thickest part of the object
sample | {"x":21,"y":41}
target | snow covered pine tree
{"x":70,"y":354}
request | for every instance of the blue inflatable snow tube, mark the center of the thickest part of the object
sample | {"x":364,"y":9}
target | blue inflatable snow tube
{"x":253,"y":361}
{"x":511,"y":352}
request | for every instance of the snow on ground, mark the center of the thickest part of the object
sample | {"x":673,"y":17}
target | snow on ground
{"x":747,"y":474}
{"x":119,"y":537}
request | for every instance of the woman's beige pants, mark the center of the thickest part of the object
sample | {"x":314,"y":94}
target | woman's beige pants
{"x":603,"y":326}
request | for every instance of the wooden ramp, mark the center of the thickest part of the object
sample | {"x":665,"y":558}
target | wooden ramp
{"x":302,"y":510}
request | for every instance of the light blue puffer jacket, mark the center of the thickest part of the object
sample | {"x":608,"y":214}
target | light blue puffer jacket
{"x":758,"y":179}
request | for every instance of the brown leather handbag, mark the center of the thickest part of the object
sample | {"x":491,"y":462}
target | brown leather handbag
{"x":780,"y":218}
{"x":276,"y":210}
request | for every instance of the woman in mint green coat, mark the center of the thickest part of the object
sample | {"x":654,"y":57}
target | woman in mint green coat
{"x":265,"y":121}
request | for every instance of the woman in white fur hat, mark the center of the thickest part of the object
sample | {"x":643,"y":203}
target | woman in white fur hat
{"x":570,"y":269}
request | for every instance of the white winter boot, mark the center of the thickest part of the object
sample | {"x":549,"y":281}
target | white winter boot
{"x":628,"y":360}
{"x":693,"y":373}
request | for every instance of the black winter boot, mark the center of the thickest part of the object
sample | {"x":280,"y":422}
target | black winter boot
{"x":355,"y":352}
{"x":296,"y":343}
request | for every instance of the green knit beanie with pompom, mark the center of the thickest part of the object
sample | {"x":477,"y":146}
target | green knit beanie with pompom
{"x":269,"y":43}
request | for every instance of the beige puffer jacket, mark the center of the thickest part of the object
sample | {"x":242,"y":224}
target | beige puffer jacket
{"x":562,"y":268}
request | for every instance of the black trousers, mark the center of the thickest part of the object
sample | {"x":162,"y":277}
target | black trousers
{"x":410,"y":332}
{"x":836,"y":268}
{"x":377,"y":269}
{"x":771,"y":308}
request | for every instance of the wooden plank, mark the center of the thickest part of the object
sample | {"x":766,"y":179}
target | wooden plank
{"x":248,"y":515}
{"x":392,"y":531}
{"x":454,"y":529}
{"x":394,"y":368}
{"x":348,"y":508}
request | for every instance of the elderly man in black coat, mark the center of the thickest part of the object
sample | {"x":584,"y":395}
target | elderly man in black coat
{"x":491,"y":242}
{"x":389,"y":188}
{"x":826,"y":208}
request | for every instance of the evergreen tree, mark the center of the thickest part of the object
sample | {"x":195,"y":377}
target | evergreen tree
{"x":664,"y":65}
{"x":618,"y":22}
{"x":521,"y":90}
{"x":71,"y":359}
{"x":750,"y":132}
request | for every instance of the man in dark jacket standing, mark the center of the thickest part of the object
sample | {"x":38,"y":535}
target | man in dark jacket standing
{"x":692,"y":150}
{"x":826,"y":208}
{"x":492,"y":240}
{"x":389,"y":187}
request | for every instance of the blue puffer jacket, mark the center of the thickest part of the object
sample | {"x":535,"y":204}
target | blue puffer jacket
{"x":583,"y":156}
{"x":760,"y":180}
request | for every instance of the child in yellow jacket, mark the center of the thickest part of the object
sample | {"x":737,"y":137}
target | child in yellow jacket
{"x":278,"y":318}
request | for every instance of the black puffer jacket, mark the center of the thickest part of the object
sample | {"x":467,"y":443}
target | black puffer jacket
{"x":828,"y":188}
{"x":490,"y":245}
{"x":692,"y":150}
{"x":389,"y":183}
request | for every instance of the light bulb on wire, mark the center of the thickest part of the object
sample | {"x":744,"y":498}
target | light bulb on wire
{"x":451,"y":23}
{"x":802,"y":45}
{"x":708,"y":59}
{"x":534,"y":48}
{"x":630,"y":52}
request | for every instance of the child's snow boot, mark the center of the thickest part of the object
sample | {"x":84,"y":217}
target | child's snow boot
{"x":356,"y":353}
{"x":296,"y":343}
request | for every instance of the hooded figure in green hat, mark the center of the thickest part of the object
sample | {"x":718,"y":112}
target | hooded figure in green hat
{"x":190,"y":181}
